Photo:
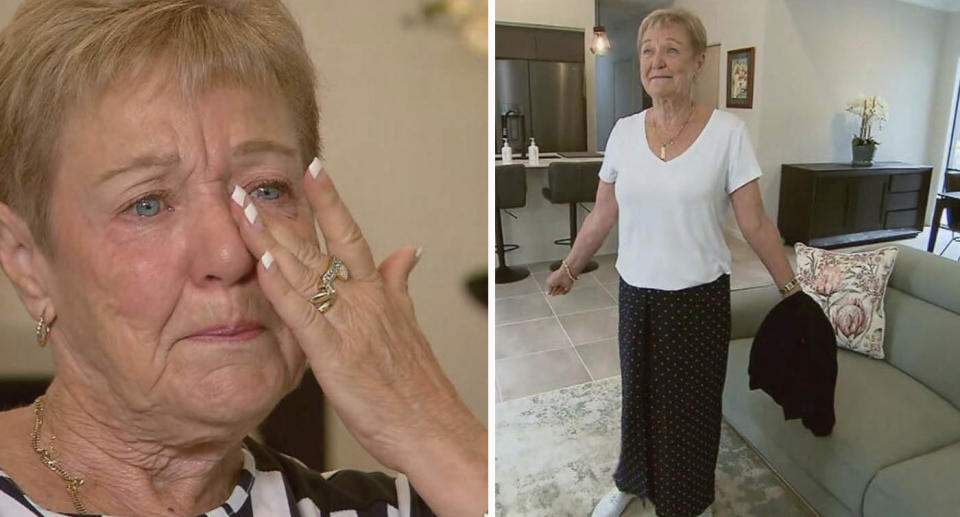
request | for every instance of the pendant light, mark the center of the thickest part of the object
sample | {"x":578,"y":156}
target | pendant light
{"x":600,"y":45}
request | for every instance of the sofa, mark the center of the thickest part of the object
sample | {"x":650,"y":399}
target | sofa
{"x":895,"y":448}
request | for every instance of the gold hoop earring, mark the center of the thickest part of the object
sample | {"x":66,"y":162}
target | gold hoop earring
{"x":43,"y":330}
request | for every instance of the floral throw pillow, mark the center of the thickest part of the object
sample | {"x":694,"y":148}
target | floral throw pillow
{"x":850,"y":287}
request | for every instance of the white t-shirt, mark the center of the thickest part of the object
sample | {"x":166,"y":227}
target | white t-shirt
{"x":672,"y":213}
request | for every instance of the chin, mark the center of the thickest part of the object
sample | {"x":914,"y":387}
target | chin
{"x":238,"y":395}
{"x":660,"y":93}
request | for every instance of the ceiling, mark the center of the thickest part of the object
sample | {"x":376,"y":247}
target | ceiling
{"x":615,"y":11}
{"x":940,"y":5}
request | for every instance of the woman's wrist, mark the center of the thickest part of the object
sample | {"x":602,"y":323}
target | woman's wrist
{"x":455,"y":459}
{"x":569,"y":270}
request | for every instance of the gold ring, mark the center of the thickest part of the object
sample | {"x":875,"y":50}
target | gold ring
{"x":326,"y":295}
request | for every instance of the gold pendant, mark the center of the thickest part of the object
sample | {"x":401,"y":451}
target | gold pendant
{"x":663,"y":152}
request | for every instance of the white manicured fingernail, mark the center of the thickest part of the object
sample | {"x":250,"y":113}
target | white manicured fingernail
{"x":267,"y":259}
{"x":418,"y":253}
{"x":315,"y":167}
{"x":239,"y":196}
{"x":251,"y":213}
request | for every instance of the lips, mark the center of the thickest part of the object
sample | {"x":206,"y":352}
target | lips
{"x":240,"y":331}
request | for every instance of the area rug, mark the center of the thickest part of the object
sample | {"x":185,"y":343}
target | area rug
{"x":556,"y":452}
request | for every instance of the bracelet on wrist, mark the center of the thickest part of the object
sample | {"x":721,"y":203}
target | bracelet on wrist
{"x":790,"y":286}
{"x":566,"y":268}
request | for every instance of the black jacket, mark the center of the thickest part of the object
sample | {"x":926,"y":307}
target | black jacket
{"x":794,"y":360}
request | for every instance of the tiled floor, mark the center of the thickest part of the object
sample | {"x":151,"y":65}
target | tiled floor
{"x":544,"y":343}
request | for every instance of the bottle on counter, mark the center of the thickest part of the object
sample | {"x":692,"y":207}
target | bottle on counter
{"x":505,"y":152}
{"x":533,"y":153}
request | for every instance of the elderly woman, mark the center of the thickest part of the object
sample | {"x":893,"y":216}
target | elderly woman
{"x":159,"y":193}
{"x":669,"y":175}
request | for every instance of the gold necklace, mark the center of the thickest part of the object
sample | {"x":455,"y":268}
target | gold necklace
{"x":73,"y":483}
{"x":663,"y":146}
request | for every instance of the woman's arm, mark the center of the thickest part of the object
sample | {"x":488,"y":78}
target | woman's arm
{"x":761,"y":233}
{"x":594,"y":231}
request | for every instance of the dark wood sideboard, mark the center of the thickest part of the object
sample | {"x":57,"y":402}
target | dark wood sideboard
{"x":831,"y":205}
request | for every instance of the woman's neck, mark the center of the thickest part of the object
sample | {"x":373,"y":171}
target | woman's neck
{"x":130,"y":470}
{"x":671,"y":112}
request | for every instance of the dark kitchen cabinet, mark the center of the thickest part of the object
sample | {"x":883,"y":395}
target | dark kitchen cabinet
{"x":830,"y":205}
{"x":513,"y":42}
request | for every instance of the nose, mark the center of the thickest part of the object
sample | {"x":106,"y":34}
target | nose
{"x":218,"y":253}
{"x":658,"y":59}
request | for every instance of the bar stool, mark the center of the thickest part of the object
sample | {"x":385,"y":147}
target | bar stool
{"x":572,"y":183}
{"x":511,"y":185}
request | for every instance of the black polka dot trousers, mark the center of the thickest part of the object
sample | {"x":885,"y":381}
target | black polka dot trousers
{"x":673,"y":360}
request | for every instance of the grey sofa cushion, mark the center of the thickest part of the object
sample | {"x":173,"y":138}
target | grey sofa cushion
{"x":923,"y":340}
{"x":748,"y":307}
{"x":928,"y":277}
{"x":883,"y":417}
{"x":925,"y":486}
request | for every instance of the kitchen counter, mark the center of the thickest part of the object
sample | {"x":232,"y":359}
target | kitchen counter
{"x":546,"y":159}
{"x":541,"y":222}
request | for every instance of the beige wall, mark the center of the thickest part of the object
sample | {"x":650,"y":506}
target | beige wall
{"x":404,"y":124}
{"x":578,"y":14}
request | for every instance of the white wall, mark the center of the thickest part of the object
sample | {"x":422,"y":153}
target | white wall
{"x":814,"y":55}
{"x":578,"y":14}
{"x":820,"y":54}
{"x":387,"y":91}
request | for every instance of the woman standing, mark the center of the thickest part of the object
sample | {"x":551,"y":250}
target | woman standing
{"x":674,"y":169}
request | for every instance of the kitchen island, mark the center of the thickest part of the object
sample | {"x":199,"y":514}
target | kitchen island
{"x":541,"y":222}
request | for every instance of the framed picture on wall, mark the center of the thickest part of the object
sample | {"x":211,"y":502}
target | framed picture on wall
{"x":740,"y":78}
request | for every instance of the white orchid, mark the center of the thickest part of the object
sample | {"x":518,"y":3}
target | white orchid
{"x":868,"y":108}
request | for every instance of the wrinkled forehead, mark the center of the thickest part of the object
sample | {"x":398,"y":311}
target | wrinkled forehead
{"x":157,"y":76}
{"x":150,"y":121}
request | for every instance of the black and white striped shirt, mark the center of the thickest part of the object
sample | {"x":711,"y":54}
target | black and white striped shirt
{"x":275,"y":485}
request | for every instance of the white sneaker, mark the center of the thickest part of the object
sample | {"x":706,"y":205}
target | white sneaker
{"x":612,"y":504}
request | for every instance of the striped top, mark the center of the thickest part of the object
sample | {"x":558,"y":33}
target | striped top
{"x":275,"y":485}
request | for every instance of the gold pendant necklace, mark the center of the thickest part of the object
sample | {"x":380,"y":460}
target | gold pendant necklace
{"x":663,"y":146}
{"x":73,"y":483}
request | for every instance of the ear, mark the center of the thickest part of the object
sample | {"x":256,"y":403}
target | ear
{"x":24,"y":264}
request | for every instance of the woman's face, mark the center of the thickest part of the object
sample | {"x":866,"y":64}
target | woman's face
{"x":149,"y":266}
{"x":668,"y":64}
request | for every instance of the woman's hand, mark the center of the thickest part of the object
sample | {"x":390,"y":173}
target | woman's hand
{"x":559,"y":282}
{"x":368,"y":353}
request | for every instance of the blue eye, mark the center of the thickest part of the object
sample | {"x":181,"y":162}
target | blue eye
{"x":270,"y":190}
{"x":148,"y":206}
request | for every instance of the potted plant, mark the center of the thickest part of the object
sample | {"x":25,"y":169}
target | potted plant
{"x":868,"y":108}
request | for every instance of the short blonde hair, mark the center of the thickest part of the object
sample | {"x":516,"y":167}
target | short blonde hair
{"x":57,"y":54}
{"x":682,"y":17}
